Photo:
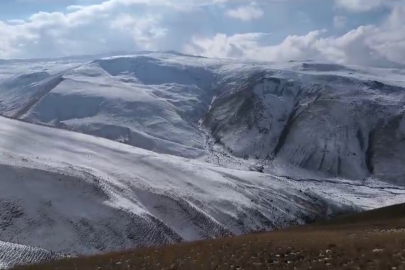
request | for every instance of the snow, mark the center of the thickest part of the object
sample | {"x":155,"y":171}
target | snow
{"x":103,"y":154}
{"x":319,"y":120}
{"x":14,"y":254}
{"x":121,"y":99}
{"x":76,"y":194}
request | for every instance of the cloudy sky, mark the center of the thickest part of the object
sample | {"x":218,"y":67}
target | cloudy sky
{"x":361,"y":32}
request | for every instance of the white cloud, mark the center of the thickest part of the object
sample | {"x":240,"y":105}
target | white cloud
{"x":248,"y":46}
{"x":246,"y":13}
{"x":145,"y":31}
{"x":85,"y":30}
{"x":361,"y":5}
{"x":339,"y":21}
{"x":93,"y":28}
{"x":370,"y":45}
{"x":74,"y":7}
{"x":129,"y":25}
{"x":221,"y":45}
{"x":6,"y":49}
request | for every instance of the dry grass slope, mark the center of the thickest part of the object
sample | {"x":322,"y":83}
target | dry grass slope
{"x":369,"y":240}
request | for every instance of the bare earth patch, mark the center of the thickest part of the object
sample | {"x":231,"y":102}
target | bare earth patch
{"x":370,"y":240}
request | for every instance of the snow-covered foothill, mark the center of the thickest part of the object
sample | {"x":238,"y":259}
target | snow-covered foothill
{"x":157,"y":148}
{"x":72,"y":193}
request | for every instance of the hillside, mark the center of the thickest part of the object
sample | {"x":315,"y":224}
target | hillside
{"x":105,"y":154}
{"x":328,"y":119}
{"x":71,"y":193}
{"x":369,"y":240}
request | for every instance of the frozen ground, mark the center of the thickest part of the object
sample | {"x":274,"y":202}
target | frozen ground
{"x":149,"y":102}
{"x":331,"y":120}
{"x":72,"y":193}
{"x":193,"y":148}
{"x":12,"y":254}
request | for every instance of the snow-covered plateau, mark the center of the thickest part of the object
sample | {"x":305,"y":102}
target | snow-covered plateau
{"x":104,"y":154}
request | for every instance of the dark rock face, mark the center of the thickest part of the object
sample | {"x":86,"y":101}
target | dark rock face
{"x":387,"y":154}
{"x":338,"y":126}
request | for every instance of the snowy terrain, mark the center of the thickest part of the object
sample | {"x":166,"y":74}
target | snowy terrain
{"x":143,"y":101}
{"x":159,"y":148}
{"x":76,"y":194}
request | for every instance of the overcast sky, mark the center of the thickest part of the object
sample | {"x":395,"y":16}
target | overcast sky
{"x":362,"y":32}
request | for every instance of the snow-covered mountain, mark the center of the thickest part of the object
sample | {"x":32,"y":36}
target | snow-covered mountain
{"x":143,"y":101}
{"x":345,"y":126}
{"x":185,"y":148}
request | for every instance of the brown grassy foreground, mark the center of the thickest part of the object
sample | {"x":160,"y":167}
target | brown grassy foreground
{"x":370,"y":240}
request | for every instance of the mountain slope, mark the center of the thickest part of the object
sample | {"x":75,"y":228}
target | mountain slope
{"x":332,"y":124}
{"x":76,"y":194}
{"x":369,"y":240}
{"x":193,"y":148}
{"x":12,"y":254}
{"x":328,"y":119}
{"x":122,"y":99}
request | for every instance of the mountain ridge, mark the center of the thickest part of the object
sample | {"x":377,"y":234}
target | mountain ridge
{"x":189,"y":148}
